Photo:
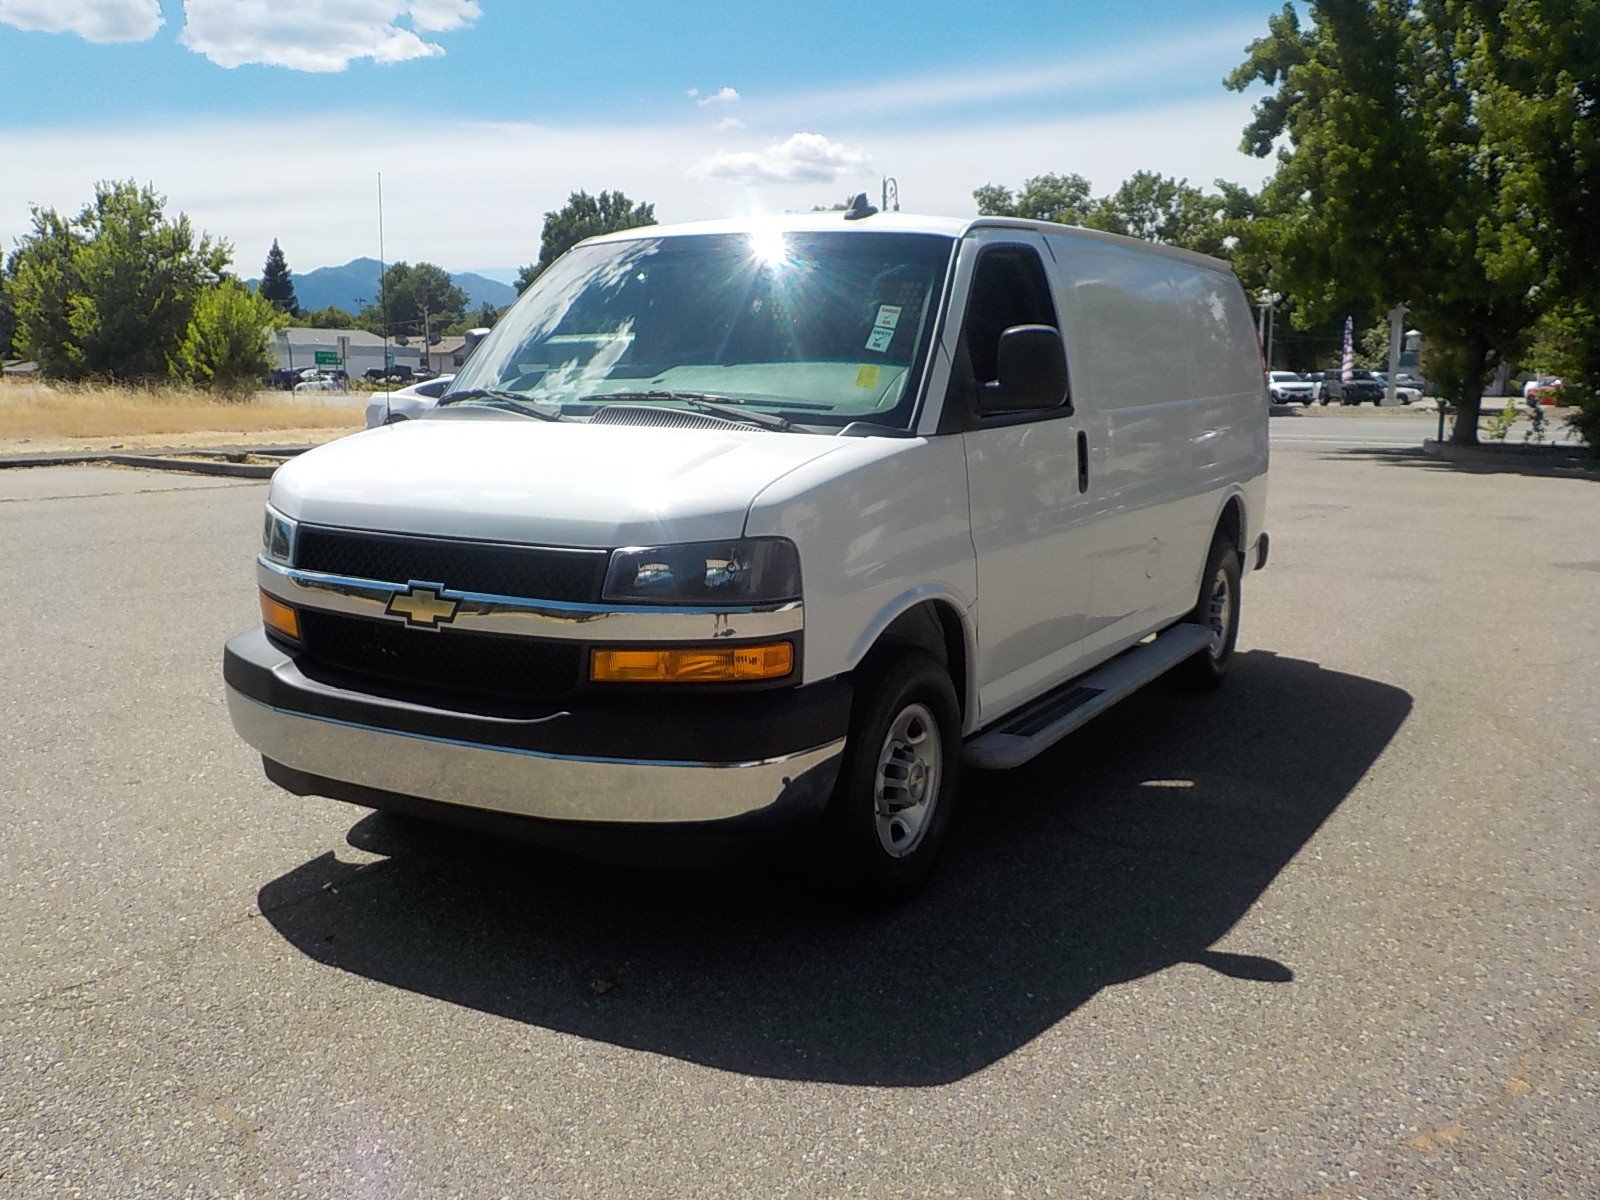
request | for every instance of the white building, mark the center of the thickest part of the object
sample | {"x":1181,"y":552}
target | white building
{"x":354,"y":351}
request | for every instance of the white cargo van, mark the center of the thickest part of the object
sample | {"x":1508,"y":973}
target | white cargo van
{"x":748,"y":526}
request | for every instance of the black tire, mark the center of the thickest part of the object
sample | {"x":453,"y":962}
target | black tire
{"x":912,"y":696}
{"x":1207,"y":669}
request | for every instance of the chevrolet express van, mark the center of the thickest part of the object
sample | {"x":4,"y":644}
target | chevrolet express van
{"x":767,"y":525}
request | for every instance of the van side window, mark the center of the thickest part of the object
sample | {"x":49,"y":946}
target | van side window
{"x":1009,"y":288}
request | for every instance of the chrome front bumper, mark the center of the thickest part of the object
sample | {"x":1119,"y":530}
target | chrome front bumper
{"x":342,"y":741}
{"x":528,"y":783}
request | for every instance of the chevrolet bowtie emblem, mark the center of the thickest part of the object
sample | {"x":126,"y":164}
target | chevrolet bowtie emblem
{"x":421,"y":604}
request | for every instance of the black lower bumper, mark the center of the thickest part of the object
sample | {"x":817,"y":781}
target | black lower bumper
{"x":583,"y":772}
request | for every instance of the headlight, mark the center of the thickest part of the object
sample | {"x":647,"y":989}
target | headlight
{"x":277,"y":538}
{"x":738,"y":572}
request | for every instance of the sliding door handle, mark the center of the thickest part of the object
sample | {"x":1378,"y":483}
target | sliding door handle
{"x":1083,"y":461}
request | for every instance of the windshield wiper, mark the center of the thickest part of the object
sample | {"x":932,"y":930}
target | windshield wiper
{"x":707,"y":402}
{"x":517,"y":403}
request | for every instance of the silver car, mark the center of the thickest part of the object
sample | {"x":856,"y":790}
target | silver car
{"x":408,"y":402}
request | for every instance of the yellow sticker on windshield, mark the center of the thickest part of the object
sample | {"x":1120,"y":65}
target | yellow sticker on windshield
{"x":867,"y":376}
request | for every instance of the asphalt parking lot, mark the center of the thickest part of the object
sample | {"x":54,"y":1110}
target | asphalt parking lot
{"x":1332,"y":932}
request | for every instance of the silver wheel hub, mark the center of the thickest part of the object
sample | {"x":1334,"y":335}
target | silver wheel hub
{"x":906,"y":787}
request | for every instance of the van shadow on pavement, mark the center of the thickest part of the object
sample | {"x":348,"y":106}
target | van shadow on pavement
{"x":1133,"y":846}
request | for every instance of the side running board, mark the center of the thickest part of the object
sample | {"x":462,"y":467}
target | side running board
{"x":1042,"y":724}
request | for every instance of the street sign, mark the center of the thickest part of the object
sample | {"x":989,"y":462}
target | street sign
{"x":328,"y":358}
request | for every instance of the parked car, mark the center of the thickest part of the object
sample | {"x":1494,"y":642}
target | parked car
{"x":1361,"y":387}
{"x":718,"y":575}
{"x":1405,"y":379}
{"x":1285,"y":387}
{"x":1402,"y":392}
{"x":1325,"y":386}
{"x":325,"y":383}
{"x":397,"y":371}
{"x":384,"y":408}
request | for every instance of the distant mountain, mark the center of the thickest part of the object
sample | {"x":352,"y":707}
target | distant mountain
{"x":481,"y":290}
{"x":355,"y":285}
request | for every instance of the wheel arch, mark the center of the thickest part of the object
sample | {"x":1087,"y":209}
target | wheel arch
{"x":933,"y":621}
{"x":1230,"y":521}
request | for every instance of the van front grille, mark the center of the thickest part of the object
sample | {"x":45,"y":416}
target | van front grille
{"x":494,"y":568}
{"x":519,"y":667}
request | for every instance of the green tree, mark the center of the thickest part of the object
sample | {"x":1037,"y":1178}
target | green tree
{"x":1159,"y":208}
{"x":332,"y":317}
{"x":418,"y":297}
{"x":228,"y":345}
{"x":110,"y":292}
{"x":277,"y":286}
{"x":8,"y":313}
{"x":583,"y":216}
{"x":1060,"y":198}
{"x":1405,"y":171}
{"x":483,"y":318}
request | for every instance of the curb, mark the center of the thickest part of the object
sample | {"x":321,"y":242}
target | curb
{"x":195,"y":466}
{"x":213,"y":460}
{"x":1556,"y":457}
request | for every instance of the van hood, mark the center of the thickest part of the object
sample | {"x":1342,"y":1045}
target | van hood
{"x":557,"y":484}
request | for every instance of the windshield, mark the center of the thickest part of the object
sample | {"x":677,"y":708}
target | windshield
{"x":821,"y":328}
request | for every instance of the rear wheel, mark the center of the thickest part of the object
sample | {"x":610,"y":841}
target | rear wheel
{"x":892,"y":805}
{"x":1217,"y":607}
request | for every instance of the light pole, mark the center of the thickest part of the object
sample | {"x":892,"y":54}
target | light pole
{"x":1267,"y":322}
{"x":1397,"y":323}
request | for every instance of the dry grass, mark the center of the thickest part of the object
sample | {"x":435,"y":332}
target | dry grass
{"x":39,"y":417}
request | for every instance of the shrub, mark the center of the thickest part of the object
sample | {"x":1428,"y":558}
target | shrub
{"x":227,"y":346}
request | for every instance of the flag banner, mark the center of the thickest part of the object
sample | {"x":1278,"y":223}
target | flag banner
{"x":1349,"y":362}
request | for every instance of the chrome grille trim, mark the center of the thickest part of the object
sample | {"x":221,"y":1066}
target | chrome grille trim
{"x":528,"y":617}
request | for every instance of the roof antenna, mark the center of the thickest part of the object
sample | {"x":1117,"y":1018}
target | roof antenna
{"x":859,"y":208}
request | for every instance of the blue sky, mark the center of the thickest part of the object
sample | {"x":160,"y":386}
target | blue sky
{"x":272,"y":118}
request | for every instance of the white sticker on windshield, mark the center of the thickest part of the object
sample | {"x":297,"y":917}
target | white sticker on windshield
{"x":879,"y":339}
{"x":888,"y":316}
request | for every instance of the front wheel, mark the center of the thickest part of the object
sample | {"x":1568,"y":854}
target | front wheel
{"x":1217,"y":607}
{"x":892,"y":805}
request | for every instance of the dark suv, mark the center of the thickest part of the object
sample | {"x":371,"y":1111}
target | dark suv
{"x":1361,"y":388}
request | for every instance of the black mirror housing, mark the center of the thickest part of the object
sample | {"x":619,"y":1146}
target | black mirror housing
{"x":1033,"y":372}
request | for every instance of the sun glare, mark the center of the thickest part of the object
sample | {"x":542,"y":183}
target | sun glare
{"x":769,"y":248}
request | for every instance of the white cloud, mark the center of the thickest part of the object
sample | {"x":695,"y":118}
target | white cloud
{"x":441,"y":16}
{"x":92,"y":20}
{"x":228,"y":175}
{"x":729,"y":125}
{"x":319,"y":35}
{"x":725,"y":95}
{"x":803,"y":158}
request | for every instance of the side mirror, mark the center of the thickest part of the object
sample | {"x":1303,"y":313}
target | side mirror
{"x":1033,"y":372}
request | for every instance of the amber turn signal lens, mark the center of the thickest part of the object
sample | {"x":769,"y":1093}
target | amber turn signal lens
{"x":279,"y":617}
{"x":715,"y":664}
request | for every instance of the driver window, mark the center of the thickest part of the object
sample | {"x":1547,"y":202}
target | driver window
{"x":1009,"y":288}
